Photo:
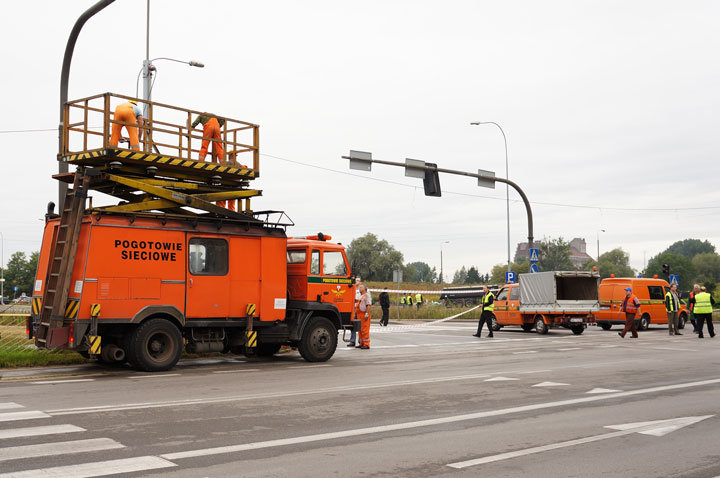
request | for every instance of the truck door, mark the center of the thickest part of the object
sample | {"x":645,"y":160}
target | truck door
{"x":336,"y":281}
{"x":208,"y":281}
{"x":501,"y":306}
{"x":514,"y":316}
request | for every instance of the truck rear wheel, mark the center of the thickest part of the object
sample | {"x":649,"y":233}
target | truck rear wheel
{"x":605,"y":325}
{"x":577,"y":329}
{"x":494,"y":323}
{"x":319,"y":340}
{"x":681,"y":321}
{"x":540,"y":326}
{"x":155,"y":345}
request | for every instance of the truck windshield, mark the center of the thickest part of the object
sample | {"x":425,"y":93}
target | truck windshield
{"x":334,"y":264}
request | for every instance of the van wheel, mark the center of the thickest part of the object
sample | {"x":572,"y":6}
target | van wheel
{"x":540,"y":326}
{"x":267,"y":350}
{"x":154,"y":346}
{"x":681,"y":321}
{"x":605,"y":325}
{"x":577,"y":329}
{"x":319,"y":340}
{"x":644,"y":323}
{"x":527,"y":327}
{"x":494,"y":323}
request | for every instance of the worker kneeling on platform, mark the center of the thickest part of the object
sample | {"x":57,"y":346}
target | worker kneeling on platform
{"x":128,"y":112}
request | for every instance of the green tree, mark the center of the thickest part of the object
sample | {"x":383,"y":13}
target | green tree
{"x":473,"y":276}
{"x":20,"y":272}
{"x":555,"y":255}
{"x":615,"y":262}
{"x":680,"y":265}
{"x":373,"y":259}
{"x":419,"y":272}
{"x":690,"y":248}
{"x":707,"y":265}
{"x":460,"y":276}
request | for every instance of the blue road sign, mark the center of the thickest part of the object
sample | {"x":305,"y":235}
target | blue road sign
{"x":674,"y":279}
{"x":534,"y":267}
{"x":16,"y":288}
{"x":534,"y":255}
{"x":509,"y":277}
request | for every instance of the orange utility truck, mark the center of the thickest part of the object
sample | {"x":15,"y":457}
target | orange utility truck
{"x":166,"y":268}
{"x":545,"y":300}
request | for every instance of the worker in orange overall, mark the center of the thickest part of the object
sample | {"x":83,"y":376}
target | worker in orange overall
{"x":127,"y":113}
{"x":363,"y":313}
{"x":211,"y":130}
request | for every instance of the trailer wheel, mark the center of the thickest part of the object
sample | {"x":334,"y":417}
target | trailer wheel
{"x":494,"y":323}
{"x":540,"y":326}
{"x":319,"y":340}
{"x":605,"y":325}
{"x":644,"y":322}
{"x":681,"y":321}
{"x":154,"y":346}
{"x":267,"y":350}
{"x":577,"y":329}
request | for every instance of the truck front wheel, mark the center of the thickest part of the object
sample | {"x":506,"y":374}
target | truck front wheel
{"x":155,"y":345}
{"x":540,"y":326}
{"x":494,"y":323}
{"x":319,"y":340}
{"x":577,"y":329}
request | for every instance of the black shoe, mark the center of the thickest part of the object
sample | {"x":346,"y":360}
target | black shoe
{"x":490,"y":336}
{"x":621,"y":335}
{"x":351,"y":345}
{"x":712,"y":335}
{"x":476,"y":335}
{"x":700,"y":336}
{"x":678,"y":333}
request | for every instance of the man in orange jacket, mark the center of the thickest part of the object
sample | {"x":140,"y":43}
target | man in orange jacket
{"x":631,"y":306}
{"x":127,"y":113}
{"x":363,"y":313}
{"x":211,"y":131}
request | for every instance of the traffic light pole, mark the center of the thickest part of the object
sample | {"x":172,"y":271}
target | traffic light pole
{"x":461,"y":173}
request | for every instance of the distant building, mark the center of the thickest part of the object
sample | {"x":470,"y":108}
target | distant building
{"x":578,"y":254}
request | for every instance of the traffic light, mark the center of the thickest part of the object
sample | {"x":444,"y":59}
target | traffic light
{"x":666,"y":269}
{"x":431,"y":181}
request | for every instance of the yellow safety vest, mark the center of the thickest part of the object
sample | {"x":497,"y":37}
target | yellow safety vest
{"x":402,"y":299}
{"x":418,"y":298}
{"x":669,"y":296}
{"x":702,"y":303}
{"x":409,"y":299}
{"x":486,"y":298}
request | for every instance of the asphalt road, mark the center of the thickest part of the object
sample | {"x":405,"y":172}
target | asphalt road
{"x":423,"y":401}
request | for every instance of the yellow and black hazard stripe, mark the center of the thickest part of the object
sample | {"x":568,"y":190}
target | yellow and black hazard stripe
{"x":94,"y":310}
{"x":36,"y":305}
{"x":187,"y":163}
{"x":71,"y":309}
{"x":95,"y":347}
{"x":251,"y":338}
{"x":250,"y":310}
{"x":81,"y":156}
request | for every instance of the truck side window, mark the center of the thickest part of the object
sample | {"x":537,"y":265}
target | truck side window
{"x":515,"y":293}
{"x":333,"y":264}
{"x":502,"y":295}
{"x":315,"y":263}
{"x":208,"y":256}
{"x":296,"y":257}
{"x":656,"y":292}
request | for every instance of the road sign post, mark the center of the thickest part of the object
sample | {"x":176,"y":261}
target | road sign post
{"x":509,"y":277}
{"x":534,"y":256}
{"x":674,"y":279}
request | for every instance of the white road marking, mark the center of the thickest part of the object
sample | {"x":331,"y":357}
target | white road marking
{"x":155,"y":375}
{"x":603,"y":390}
{"x":309,"y":366}
{"x":98,"y":468}
{"x":500,"y":379}
{"x":525,"y":352}
{"x":58,"y":448}
{"x":651,"y":428}
{"x":569,"y":349}
{"x":10,"y":405}
{"x":205,"y":401}
{"x":51,"y":382}
{"x":432,"y":422}
{"x":238,"y":371}
{"x":550,"y":384}
{"x":674,"y":349}
{"x":38,"y":431}
{"x":12,"y":416}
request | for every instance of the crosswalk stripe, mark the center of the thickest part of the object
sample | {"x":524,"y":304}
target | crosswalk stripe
{"x":50,"y":382}
{"x":39,"y":431}
{"x":98,"y":468}
{"x":9,"y":405}
{"x":58,"y":448}
{"x":12,"y":416}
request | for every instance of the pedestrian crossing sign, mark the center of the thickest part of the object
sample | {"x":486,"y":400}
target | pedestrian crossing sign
{"x":534,"y":255}
{"x":674,"y":279}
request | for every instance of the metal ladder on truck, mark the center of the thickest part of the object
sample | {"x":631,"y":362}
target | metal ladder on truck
{"x":51,"y":332}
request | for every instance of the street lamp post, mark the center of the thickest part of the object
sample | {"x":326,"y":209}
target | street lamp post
{"x":507,"y":186}
{"x":442,"y":276}
{"x":598,"y":245}
{"x":2,"y":269}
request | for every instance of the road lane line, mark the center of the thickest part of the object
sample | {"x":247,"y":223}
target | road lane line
{"x":98,"y":468}
{"x":12,"y":416}
{"x":10,"y":405}
{"x":569,"y":349}
{"x":205,"y":401}
{"x":426,"y":423}
{"x":39,"y":431}
{"x":238,"y":371}
{"x":58,"y":448}
{"x":155,"y":376}
{"x":525,"y":352}
{"x":73,"y":380}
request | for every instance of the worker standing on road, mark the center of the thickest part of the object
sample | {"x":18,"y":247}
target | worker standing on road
{"x":631,"y":306}
{"x":488,"y":306}
{"x":703,"y":307}
{"x":385,"y":305}
{"x":691,"y":303}
{"x":353,"y":335}
{"x":418,"y":300}
{"x":672,"y":304}
{"x":128,"y":112}
{"x":364,"y":312}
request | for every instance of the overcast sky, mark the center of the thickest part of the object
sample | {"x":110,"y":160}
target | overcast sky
{"x":610,"y":110}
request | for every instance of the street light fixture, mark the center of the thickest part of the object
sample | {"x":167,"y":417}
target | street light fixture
{"x":442,"y":276}
{"x":507,"y":186}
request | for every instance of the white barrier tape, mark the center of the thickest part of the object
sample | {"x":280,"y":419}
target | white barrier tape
{"x":432,"y":292}
{"x":409,"y":327}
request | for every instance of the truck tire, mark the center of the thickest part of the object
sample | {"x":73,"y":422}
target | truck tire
{"x":155,"y":346}
{"x":494,"y":323}
{"x":681,"y":321}
{"x":577,"y":329}
{"x":540,"y":326}
{"x":267,"y":350}
{"x":319,"y":340}
{"x":527,"y":327}
{"x":644,"y":322}
{"x":605,"y":325}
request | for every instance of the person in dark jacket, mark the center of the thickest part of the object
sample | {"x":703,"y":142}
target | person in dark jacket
{"x":385,"y":305}
{"x":488,"y":307}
